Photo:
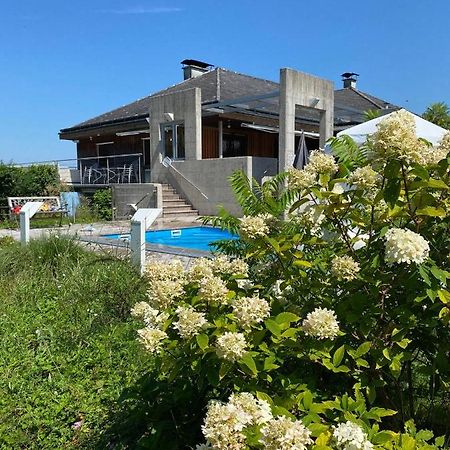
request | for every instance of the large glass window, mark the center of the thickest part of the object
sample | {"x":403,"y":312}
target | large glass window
{"x":173,"y":135}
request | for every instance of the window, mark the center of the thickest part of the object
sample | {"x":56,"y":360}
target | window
{"x":234,"y":145}
{"x":173,"y":140}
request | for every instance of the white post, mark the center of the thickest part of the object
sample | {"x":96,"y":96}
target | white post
{"x":137,"y":244}
{"x":26,"y":213}
{"x":141,"y":220}
{"x":24,"y":227}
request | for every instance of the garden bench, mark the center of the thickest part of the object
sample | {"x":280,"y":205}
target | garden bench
{"x":51,"y":205}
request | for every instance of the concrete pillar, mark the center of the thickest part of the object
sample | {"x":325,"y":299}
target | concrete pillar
{"x":220,"y":139}
{"x":306,"y":91}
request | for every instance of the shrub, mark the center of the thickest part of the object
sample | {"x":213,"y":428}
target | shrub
{"x":336,"y":334}
{"x":102,"y":203}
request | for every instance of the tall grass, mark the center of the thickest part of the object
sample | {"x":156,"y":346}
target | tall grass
{"x":67,"y":347}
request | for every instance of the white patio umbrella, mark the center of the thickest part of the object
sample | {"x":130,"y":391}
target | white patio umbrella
{"x":424,"y":129}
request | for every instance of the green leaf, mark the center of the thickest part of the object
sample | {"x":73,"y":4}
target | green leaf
{"x":202,"y":341}
{"x":424,"y":435}
{"x":286,"y":317}
{"x":338,"y":355}
{"x":439,"y":274}
{"x":362,"y":349}
{"x":392,"y":168}
{"x":424,"y":275}
{"x":444,"y":296}
{"x":273,"y":327}
{"x":248,"y":361}
{"x":392,"y":192}
{"x":439,"y":441}
{"x":224,"y":368}
{"x":307,"y":399}
{"x":431,"y":211}
{"x":382,"y":437}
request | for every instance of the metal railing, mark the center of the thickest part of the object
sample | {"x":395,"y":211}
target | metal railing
{"x":111,"y":169}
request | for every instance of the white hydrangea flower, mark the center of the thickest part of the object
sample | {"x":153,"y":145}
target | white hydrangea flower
{"x":320,"y":162}
{"x":255,"y":226}
{"x":213,"y":290}
{"x":444,"y":144}
{"x":259,"y":411}
{"x":231,"y":346}
{"x":283,"y":433}
{"x":222,"y":265}
{"x":165,"y":282}
{"x":344,"y":268}
{"x":310,"y":216}
{"x":223,"y":426}
{"x":151,"y":338}
{"x":350,"y":436}
{"x":152,"y":317}
{"x":206,"y":446}
{"x":141,"y":309}
{"x":250,"y":310}
{"x":190,"y":322}
{"x":161,"y":271}
{"x":403,"y":245}
{"x":396,"y":138}
{"x":364,"y":177}
{"x":321,"y":323}
{"x":300,"y":179}
{"x":200,"y":269}
{"x":162,"y":294}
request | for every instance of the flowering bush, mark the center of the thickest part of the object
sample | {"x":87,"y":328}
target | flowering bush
{"x":328,"y":333}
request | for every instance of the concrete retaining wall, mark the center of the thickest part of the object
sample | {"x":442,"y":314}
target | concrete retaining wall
{"x":149,"y":195}
{"x":211,"y":177}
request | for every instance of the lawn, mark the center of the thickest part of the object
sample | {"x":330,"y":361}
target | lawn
{"x":68,"y":348}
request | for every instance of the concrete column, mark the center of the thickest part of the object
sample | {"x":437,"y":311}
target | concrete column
{"x":286,"y":150}
{"x":307,"y":91}
{"x":220,"y":139}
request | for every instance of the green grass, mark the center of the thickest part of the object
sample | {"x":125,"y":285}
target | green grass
{"x":67,"y":347}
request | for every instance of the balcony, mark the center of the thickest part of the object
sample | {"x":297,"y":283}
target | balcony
{"x":102,"y":170}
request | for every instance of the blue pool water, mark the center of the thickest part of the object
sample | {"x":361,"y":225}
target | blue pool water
{"x":198,"y":238}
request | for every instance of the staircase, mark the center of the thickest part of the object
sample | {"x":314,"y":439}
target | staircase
{"x":174,"y":205}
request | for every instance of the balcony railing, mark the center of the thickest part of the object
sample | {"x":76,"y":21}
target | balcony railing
{"x":112,"y":169}
{"x":99,"y":170}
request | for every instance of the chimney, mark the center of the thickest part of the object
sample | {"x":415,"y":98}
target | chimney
{"x":349,"y":79}
{"x":193,"y":68}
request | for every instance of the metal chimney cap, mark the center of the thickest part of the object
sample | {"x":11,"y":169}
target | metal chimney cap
{"x":195,"y":63}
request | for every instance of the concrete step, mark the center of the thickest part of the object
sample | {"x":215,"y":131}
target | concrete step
{"x":184,"y":207}
{"x":171,"y":196}
{"x":181,"y":212}
{"x":176,"y":203}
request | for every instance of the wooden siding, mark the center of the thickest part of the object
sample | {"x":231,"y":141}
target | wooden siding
{"x":210,"y":142}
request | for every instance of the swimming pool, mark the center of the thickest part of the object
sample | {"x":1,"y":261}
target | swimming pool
{"x":198,"y":238}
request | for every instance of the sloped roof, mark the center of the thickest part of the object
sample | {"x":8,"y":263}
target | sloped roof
{"x":350,"y":105}
{"x":222,"y":84}
{"x":216,"y":84}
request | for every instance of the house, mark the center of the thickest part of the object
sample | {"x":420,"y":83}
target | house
{"x":212,"y":123}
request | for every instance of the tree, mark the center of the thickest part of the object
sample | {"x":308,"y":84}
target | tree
{"x":439,"y":114}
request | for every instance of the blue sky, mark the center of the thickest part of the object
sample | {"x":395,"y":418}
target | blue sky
{"x":64,"y":62}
